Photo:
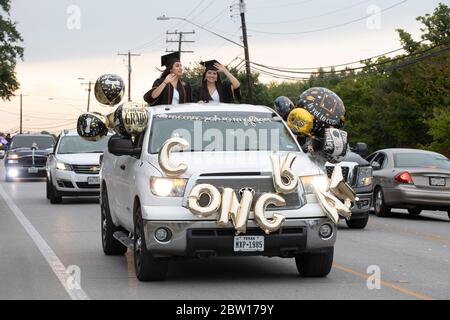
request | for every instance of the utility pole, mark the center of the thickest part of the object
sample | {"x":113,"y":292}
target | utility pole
{"x":129,"y":54}
{"x":180,"y":40}
{"x":247,"y":55}
{"x":89,"y":84}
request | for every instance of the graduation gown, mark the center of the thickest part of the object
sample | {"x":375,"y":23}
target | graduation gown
{"x":226,"y":93}
{"x":166,"y":96}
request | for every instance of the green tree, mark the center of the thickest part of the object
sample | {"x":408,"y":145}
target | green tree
{"x":10,"y":50}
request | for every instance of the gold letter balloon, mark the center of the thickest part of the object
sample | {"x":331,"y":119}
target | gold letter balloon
{"x":164,"y":154}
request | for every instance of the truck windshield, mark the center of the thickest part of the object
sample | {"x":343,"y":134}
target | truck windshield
{"x":41,"y":142}
{"x":222,"y":131}
{"x":76,"y":144}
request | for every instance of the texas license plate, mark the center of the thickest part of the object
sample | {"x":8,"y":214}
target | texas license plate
{"x":93,"y":180}
{"x":249,"y":243}
{"x":437,"y":181}
{"x":32,"y":170}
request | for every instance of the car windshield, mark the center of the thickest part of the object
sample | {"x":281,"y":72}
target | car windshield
{"x":41,"y":142}
{"x":76,"y":144}
{"x":222,"y":131}
{"x":421,"y":160}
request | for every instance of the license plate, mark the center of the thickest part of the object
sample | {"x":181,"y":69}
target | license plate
{"x":93,"y":180}
{"x":437,"y":181}
{"x":32,"y":170}
{"x":249,"y":243}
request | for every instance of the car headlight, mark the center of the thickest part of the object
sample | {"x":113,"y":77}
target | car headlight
{"x":365,"y":176}
{"x":310,"y":183}
{"x":167,"y":187}
{"x":63,"y":166}
{"x":13,"y":157}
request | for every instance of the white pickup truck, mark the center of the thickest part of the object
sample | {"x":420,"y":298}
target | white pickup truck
{"x":229,"y":147}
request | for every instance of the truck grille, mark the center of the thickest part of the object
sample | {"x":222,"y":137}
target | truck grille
{"x":345,"y":173}
{"x":86,"y":169}
{"x":28,"y":161}
{"x":262,"y":184}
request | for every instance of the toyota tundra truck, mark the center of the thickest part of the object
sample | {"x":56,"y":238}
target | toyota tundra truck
{"x":229,"y":147}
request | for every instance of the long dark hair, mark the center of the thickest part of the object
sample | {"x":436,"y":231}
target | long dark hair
{"x":167,"y":71}
{"x":204,"y":93}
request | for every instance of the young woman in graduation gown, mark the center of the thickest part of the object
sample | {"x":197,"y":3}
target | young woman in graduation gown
{"x":169,"y":88}
{"x":213,"y":89}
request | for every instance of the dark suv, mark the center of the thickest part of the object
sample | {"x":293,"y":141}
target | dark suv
{"x":27,"y":156}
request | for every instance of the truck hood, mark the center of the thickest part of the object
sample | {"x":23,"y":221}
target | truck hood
{"x":238,"y":161}
{"x":80,"y":158}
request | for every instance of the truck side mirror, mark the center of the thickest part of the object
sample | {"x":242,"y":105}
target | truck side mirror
{"x":361,"y":149}
{"x":121,"y":146}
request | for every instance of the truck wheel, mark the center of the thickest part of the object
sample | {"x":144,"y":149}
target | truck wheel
{"x":315,"y":264}
{"x":147,"y":267}
{"x":47,"y":189}
{"x":381,"y":209}
{"x":111,"y":246}
{"x":53,"y":195}
{"x":358,"y":223}
{"x":415,"y":211}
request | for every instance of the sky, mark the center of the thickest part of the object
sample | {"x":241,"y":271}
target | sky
{"x":68,"y":40}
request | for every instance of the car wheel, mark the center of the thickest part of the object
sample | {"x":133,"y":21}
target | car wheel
{"x":415,"y":211}
{"x":111,"y":246}
{"x":146,"y":266}
{"x":357,"y":223}
{"x":381,"y":209}
{"x":315,"y":264}
{"x":53,"y":195}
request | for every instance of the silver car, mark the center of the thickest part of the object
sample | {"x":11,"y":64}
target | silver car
{"x":410,"y":179}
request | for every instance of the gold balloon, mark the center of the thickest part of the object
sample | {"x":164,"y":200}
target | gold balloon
{"x":332,"y":206}
{"x":282,"y":169}
{"x":130,"y":119}
{"x":92,"y":126}
{"x":164,"y":154}
{"x":300,"y":121}
{"x":194,"y":197}
{"x":342,"y":189}
{"x":237,"y":211}
{"x":260,"y":207}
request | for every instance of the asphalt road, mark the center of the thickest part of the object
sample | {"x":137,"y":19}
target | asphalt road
{"x":411,"y":253}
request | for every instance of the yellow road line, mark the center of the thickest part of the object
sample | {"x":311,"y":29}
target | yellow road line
{"x":385,"y":283}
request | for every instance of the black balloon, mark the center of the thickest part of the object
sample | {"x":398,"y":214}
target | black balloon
{"x":92,"y":126}
{"x":109,"y":89}
{"x":325,"y":106}
{"x":130,"y":119}
{"x":283,"y":105}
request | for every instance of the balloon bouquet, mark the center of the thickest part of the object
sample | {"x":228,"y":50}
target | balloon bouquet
{"x":317,"y":120}
{"x":128,"y":120}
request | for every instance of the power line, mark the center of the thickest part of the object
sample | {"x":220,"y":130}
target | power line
{"x":313,"y":17}
{"x":283,"y":5}
{"x":357,"y":68}
{"x":329,"y":27}
{"x":180,"y":40}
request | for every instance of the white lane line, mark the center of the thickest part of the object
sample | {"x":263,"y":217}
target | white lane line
{"x":66,"y":279}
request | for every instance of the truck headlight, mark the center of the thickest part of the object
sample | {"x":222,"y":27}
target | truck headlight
{"x":167,"y":187}
{"x":364,"y":177}
{"x":310,"y":183}
{"x":63,"y":166}
{"x":13,"y":157}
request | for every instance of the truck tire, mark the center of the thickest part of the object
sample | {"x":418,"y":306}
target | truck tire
{"x":111,"y":246}
{"x":358,"y":223}
{"x":414,"y":211}
{"x":53,"y":194}
{"x":47,"y":189}
{"x":146,"y":266}
{"x":380,"y":207}
{"x":315,"y":264}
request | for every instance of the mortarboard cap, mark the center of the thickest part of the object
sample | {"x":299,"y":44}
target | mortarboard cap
{"x":209,"y":65}
{"x":167,"y":59}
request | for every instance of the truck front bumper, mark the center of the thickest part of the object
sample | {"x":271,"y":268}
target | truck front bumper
{"x":206,"y":238}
